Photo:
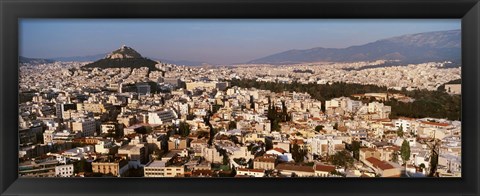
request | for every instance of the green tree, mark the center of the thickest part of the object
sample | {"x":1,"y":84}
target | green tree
{"x":434,"y":158}
{"x":400,"y":131}
{"x":436,"y":104}
{"x":298,"y":154}
{"x":232,"y":125}
{"x":342,"y":159}
{"x":395,"y":157}
{"x":184,"y":129}
{"x":422,"y":166}
{"x":356,"y":149}
{"x":318,"y":128}
{"x":405,"y":151}
{"x":284,"y":114}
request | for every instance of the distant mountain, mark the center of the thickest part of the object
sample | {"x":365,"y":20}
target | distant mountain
{"x":81,"y":58}
{"x":123,"y":57}
{"x":26,"y":60}
{"x":413,"y":48}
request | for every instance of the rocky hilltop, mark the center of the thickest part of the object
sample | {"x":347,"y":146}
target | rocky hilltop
{"x":123,"y":57}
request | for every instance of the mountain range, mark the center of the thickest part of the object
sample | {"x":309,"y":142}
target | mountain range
{"x":25,"y":60}
{"x":412,"y":48}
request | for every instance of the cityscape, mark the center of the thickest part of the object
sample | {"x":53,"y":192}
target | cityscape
{"x":390,"y":107}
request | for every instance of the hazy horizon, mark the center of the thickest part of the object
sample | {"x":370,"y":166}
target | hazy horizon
{"x":216,"y":41}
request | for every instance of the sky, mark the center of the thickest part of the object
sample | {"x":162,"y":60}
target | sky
{"x":215,"y":41}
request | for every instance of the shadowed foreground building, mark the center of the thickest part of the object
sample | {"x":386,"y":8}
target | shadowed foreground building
{"x":116,"y":167}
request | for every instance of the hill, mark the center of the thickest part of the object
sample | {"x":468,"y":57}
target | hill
{"x":413,"y":48}
{"x":26,"y":60}
{"x":123,"y":57}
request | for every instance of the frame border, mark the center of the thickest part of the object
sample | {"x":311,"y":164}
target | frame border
{"x":467,"y":10}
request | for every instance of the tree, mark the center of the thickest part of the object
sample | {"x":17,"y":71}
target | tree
{"x":395,"y":157}
{"x":226,"y":160}
{"x":405,"y":151}
{"x":275,"y":126}
{"x":184,"y":129}
{"x":284,"y":114}
{"x":422,"y":166}
{"x":318,"y":128}
{"x":434,"y":157}
{"x":400,"y":131}
{"x":342,"y":159}
{"x":356,"y":149}
{"x":232,"y":125}
{"x":298,"y":154}
{"x":433,"y":165}
{"x":252,"y":102}
{"x":436,"y":104}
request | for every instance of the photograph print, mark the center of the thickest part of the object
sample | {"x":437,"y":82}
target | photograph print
{"x":239,"y":98}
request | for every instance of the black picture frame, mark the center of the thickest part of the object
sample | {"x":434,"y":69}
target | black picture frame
{"x":12,"y":10}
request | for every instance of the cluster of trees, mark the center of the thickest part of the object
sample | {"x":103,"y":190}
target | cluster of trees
{"x":232,"y":125}
{"x":276,"y":117}
{"x":318,"y":128}
{"x":436,"y":104}
{"x":400,"y":131}
{"x":303,"y":71}
{"x":342,"y":159}
{"x":82,"y":166}
{"x":320,"y":92}
{"x":298,"y":154}
{"x":121,"y":63}
{"x":356,"y":149}
{"x":184,"y":129}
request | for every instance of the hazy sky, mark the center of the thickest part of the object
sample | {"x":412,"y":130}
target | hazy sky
{"x":212,"y":41}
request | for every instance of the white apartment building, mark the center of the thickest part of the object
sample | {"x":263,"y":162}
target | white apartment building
{"x":321,"y":145}
{"x":64,"y":170}
{"x":160,"y":169}
{"x":85,"y":126}
{"x":161,"y":117}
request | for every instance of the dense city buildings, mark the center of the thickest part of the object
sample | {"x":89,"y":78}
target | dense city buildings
{"x":238,"y":121}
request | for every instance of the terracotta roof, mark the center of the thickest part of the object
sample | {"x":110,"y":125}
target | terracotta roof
{"x":202,"y":172}
{"x":264,"y":158}
{"x":379,"y":164}
{"x":291,"y":167}
{"x":251,"y":170}
{"x":325,"y":168}
{"x":280,"y":150}
{"x":394,"y":148}
{"x":367,"y":149}
{"x":297,"y":141}
{"x":435,"y":123}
